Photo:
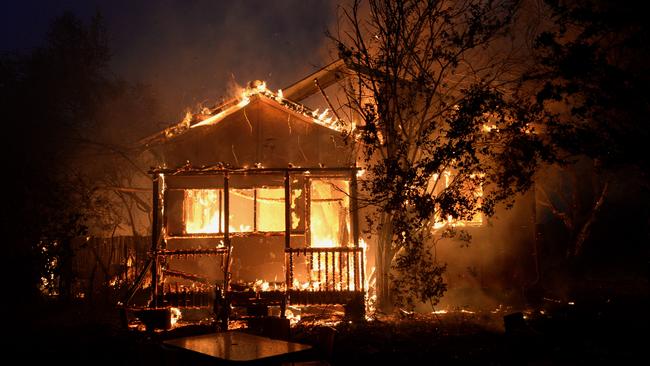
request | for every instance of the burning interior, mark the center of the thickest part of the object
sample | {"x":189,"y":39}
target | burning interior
{"x":259,"y":210}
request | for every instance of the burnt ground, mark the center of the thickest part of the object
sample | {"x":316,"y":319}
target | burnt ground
{"x":591,"y":331}
{"x":559,"y":334}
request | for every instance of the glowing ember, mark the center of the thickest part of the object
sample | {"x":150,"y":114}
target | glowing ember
{"x":490,"y":128}
{"x":175,"y":316}
{"x":294,"y":318}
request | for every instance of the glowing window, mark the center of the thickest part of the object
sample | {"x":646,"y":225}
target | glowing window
{"x":241,"y":210}
{"x":270,"y":209}
{"x":250,"y":210}
{"x":329,"y":214}
{"x":201,"y":213}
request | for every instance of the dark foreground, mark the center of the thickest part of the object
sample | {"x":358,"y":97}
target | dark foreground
{"x":612,"y":331}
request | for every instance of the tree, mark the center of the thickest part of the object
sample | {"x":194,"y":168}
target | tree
{"x":430,"y":96}
{"x":591,"y":74}
{"x":54,"y":100}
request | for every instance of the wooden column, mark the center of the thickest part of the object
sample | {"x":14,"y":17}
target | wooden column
{"x":287,"y":210}
{"x":287,"y":223}
{"x":354,"y":227}
{"x":226,"y":268}
{"x":155,"y":232}
{"x":288,"y":256}
{"x":307,"y":214}
{"x":226,"y":232}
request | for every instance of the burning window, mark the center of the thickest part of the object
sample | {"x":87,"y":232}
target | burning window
{"x":330,"y":216}
{"x":259,"y":209}
{"x":241,"y":212}
{"x":202,"y":211}
{"x":270,"y":209}
{"x":250,"y":210}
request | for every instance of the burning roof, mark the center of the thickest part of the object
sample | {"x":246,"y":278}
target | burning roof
{"x":256,"y":89}
{"x":257,"y":128}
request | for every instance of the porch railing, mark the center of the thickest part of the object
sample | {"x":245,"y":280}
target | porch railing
{"x":329,"y":269}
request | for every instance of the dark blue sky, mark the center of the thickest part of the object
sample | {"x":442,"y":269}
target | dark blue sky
{"x":189,"y":50}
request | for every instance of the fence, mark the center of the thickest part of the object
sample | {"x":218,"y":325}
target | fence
{"x":104,"y":267}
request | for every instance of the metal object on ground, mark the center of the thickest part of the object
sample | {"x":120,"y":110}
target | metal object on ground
{"x":236,"y":346}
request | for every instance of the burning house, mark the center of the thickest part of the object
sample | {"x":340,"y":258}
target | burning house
{"x":254,"y":205}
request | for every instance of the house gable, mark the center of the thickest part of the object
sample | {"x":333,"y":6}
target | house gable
{"x":263,"y":131}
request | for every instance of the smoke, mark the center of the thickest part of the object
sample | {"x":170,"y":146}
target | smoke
{"x":190,"y":52}
{"x":496,"y":267}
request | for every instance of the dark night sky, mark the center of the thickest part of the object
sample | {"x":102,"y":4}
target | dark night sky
{"x":189,"y":51}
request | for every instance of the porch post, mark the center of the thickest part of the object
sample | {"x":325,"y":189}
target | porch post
{"x":226,"y":241}
{"x":288,"y":256}
{"x":354,"y":226}
{"x":226,"y":232}
{"x":154,"y":240}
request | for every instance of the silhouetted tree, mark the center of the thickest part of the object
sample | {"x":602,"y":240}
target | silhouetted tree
{"x":54,"y":101}
{"x":592,"y":74}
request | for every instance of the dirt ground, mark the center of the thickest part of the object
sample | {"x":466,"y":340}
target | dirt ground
{"x":598,"y":331}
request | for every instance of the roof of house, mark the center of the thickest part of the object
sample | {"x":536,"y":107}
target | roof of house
{"x":211,"y":116}
{"x":258,"y":127}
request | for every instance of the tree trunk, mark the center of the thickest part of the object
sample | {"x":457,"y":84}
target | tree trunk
{"x":384,"y":258}
{"x":586,"y":227}
{"x":65,"y":270}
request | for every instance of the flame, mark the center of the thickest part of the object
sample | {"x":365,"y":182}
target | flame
{"x":297,"y":285}
{"x":241,"y":229}
{"x":490,"y":128}
{"x":326,"y":215}
{"x":324,"y":114}
{"x":201,"y":211}
{"x":330,"y":227}
{"x":206,"y":116}
{"x":243,"y":100}
{"x":175,"y":316}
{"x":327,"y":121}
{"x":476,"y":220}
{"x":262,"y":286}
{"x":293,"y":318}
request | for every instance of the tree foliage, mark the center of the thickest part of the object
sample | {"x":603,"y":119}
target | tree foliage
{"x":431,"y":100}
{"x":591,"y":75}
{"x":55,"y":101}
